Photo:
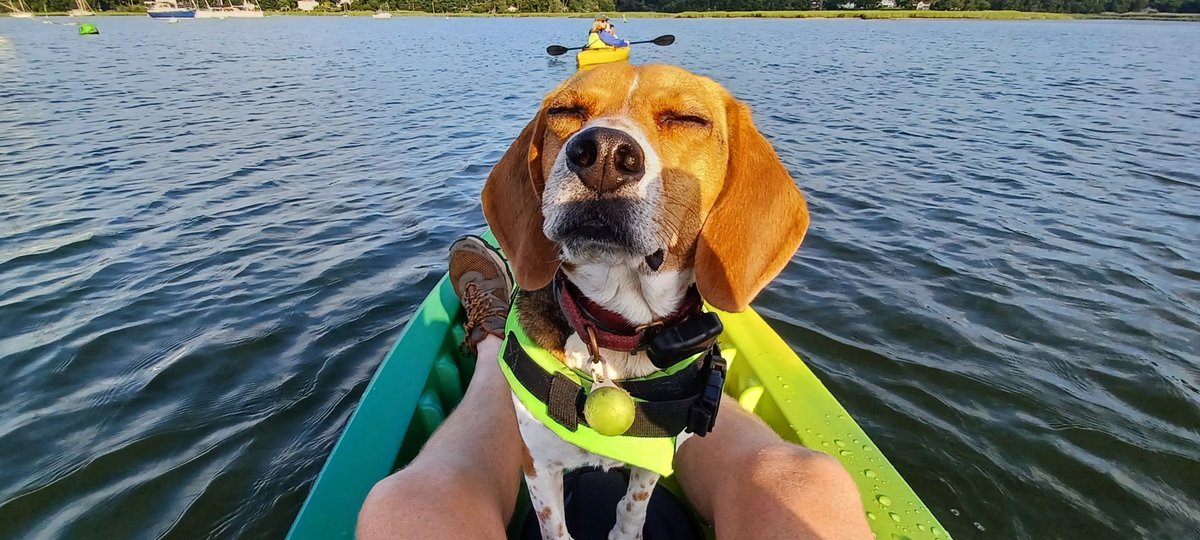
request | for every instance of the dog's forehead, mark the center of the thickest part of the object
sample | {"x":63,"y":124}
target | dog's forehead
{"x":624,"y":86}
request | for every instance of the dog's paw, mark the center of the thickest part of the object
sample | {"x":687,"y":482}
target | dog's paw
{"x":619,"y":533}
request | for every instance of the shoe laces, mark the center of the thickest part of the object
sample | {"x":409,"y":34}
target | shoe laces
{"x":481,"y":303}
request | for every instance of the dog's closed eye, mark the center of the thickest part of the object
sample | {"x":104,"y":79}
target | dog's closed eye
{"x":574,"y":111}
{"x":683,"y":119}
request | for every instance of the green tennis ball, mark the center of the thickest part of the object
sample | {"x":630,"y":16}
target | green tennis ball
{"x":609,"y":410}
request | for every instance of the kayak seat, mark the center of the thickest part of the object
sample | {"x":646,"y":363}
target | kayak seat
{"x":591,"y":497}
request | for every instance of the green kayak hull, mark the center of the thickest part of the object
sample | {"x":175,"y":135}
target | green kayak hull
{"x":423,"y":377}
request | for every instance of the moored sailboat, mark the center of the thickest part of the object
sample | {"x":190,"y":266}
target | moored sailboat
{"x":82,"y":9}
{"x":168,"y":9}
{"x":245,"y":10}
{"x":17,"y":8}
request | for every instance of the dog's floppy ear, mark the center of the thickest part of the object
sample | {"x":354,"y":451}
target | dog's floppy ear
{"x":756,"y":224}
{"x":512,"y":204}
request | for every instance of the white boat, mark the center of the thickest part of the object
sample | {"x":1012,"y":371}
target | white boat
{"x":246,"y":10}
{"x":382,"y":12}
{"x":168,"y":9}
{"x":82,"y":9}
{"x":17,"y":8}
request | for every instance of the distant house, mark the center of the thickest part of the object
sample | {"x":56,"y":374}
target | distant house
{"x":307,"y":5}
{"x":847,"y":5}
{"x":512,"y":9}
{"x":887,"y":3}
{"x":923,"y":4}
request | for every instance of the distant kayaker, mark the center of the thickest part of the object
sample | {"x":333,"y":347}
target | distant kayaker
{"x":602,"y":36}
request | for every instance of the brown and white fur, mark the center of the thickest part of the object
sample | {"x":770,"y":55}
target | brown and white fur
{"x":712,"y":199}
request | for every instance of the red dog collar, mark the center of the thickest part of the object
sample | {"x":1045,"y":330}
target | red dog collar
{"x":611,"y":330}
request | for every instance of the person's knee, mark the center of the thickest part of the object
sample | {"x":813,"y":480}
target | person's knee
{"x":409,"y":500}
{"x":788,"y":469}
{"x":386,"y":505}
{"x":804,"y":490}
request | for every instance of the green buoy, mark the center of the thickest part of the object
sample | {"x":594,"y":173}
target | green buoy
{"x":88,"y":29}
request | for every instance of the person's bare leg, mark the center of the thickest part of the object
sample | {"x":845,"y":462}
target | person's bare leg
{"x":749,"y":483}
{"x":465,"y":481}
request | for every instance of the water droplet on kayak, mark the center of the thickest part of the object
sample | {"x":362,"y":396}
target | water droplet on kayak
{"x":895,"y":517}
{"x":937,"y":533}
{"x":844,"y":452}
{"x":869,"y":473}
{"x":785,"y":386}
{"x":867,"y":448}
{"x":787,"y":401}
{"x":840,"y":443}
{"x":824,"y":443}
{"x":884,"y":500}
{"x":980,"y":527}
{"x":870,"y":515}
{"x":779,"y":377}
{"x":954,"y":511}
{"x":841,"y":417}
{"x":921,"y":526}
{"x":808,"y":430}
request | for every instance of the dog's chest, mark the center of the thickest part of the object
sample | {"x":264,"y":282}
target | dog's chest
{"x":616,"y":365}
{"x":549,"y":449}
{"x":551,"y":452}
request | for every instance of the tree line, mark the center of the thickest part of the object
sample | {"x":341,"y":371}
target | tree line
{"x":1052,"y":6}
{"x":676,"y":6}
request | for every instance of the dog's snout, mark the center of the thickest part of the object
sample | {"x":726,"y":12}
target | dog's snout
{"x":605,"y":159}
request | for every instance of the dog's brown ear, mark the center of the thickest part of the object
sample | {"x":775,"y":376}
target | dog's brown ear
{"x":512,"y":204}
{"x":757,"y":223}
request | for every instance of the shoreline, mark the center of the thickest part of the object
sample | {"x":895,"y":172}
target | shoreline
{"x":877,"y":14}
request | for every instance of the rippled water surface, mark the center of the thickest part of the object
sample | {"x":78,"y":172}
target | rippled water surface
{"x":211,"y":231}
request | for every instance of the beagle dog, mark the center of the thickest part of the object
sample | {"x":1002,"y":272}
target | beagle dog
{"x":637,"y":186}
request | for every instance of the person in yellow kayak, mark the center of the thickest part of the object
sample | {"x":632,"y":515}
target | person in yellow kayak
{"x":603,"y":36}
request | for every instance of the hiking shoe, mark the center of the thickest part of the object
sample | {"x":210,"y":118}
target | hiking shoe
{"x":481,"y":281}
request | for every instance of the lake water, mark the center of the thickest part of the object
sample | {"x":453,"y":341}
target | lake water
{"x":211,"y":232}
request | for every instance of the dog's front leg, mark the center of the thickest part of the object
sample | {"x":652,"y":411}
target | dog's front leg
{"x":546,"y":494}
{"x":631,"y":511}
{"x":543,"y":475}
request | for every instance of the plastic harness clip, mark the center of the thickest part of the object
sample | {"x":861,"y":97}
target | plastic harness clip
{"x":703,"y":415}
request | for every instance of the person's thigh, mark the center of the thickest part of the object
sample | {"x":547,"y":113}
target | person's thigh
{"x":464,"y":482}
{"x":749,"y":483}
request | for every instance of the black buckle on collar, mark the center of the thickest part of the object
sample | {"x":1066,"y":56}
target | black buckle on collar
{"x":670,"y":344}
{"x":703,"y":415}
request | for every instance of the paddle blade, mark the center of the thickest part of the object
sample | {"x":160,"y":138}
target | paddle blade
{"x":664,"y":40}
{"x":556,"y":50}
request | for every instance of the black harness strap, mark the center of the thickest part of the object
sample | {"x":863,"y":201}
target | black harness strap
{"x":655,"y":417}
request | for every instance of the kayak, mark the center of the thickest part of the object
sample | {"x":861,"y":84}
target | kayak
{"x":595,"y":57}
{"x":423,"y":377}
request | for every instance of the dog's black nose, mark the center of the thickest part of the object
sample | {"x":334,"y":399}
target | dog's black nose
{"x":605,"y":159}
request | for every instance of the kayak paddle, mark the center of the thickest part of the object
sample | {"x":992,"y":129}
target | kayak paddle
{"x":557,"y":50}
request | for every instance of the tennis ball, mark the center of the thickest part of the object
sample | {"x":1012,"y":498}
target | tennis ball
{"x":609,"y":410}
